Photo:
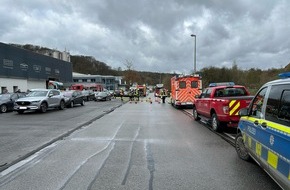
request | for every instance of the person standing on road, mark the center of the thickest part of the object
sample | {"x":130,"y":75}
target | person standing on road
{"x":136,"y":95}
{"x":163,"y":95}
{"x":121,"y":94}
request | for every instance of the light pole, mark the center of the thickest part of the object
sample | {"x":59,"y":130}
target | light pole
{"x":194,"y":59}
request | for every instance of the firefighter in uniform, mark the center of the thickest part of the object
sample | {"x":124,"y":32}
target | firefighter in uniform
{"x":131,"y":95}
{"x":136,"y":94}
{"x":121,"y":94}
{"x":163,"y":95}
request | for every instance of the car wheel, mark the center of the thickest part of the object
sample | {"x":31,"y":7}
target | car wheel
{"x":195,"y":114}
{"x":83,"y":103}
{"x":240,"y":147}
{"x":43,"y":107}
{"x":215,"y":124}
{"x":61,"y":105}
{"x":3,"y":108}
{"x":20,"y":111}
{"x":71,"y":104}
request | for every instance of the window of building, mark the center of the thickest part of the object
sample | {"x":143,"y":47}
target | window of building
{"x":15,"y":88}
{"x":84,"y":80}
{"x":4,"y":90}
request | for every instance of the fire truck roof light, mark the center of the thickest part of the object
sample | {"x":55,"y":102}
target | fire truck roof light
{"x":221,"y":84}
{"x":284,"y":75}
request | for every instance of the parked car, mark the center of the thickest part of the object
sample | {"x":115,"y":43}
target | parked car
{"x":102,"y":96}
{"x":73,"y":97}
{"x":40,"y":100}
{"x":7,"y":101}
{"x":88,"y":95}
{"x":263,"y":130}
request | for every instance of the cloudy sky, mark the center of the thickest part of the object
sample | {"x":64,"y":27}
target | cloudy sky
{"x":155,"y":35}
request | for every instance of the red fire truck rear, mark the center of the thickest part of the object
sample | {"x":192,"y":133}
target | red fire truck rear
{"x":87,"y":86}
{"x":184,"y":89}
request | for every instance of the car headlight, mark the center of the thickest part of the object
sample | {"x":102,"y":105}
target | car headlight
{"x":36,"y":101}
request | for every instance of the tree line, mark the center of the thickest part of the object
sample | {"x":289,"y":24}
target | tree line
{"x":253,"y":78}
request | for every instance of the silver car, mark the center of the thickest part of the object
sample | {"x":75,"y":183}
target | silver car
{"x":40,"y":100}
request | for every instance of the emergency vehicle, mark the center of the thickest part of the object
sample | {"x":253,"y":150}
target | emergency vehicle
{"x":142,"y":90}
{"x":184,"y":89}
{"x":264,"y":130}
{"x":158,"y":89}
{"x":87,"y":86}
{"x":54,"y":85}
{"x":219,"y":104}
{"x":160,"y":92}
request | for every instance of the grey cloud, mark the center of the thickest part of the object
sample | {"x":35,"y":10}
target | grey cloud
{"x":155,"y":34}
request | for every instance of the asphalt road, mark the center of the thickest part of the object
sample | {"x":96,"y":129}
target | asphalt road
{"x":23,"y":134}
{"x":136,"y":146}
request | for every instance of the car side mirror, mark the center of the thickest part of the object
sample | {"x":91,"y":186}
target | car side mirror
{"x":243,"y":112}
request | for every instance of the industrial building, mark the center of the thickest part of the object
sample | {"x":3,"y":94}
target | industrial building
{"x":108,"y":82}
{"x":21,"y":69}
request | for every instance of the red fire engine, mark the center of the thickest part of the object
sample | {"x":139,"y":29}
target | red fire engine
{"x":184,"y":89}
{"x":87,"y":86}
{"x":142,"y":90}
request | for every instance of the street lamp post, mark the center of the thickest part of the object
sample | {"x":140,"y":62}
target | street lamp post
{"x":194,"y":59}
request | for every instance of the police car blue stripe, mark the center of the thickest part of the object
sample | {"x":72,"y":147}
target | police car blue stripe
{"x":283,"y":167}
{"x":264,"y":153}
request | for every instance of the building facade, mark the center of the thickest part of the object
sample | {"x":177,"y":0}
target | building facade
{"x":108,"y":82}
{"x":21,"y":69}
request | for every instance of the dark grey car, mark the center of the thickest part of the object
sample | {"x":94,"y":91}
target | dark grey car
{"x":102,"y":96}
{"x":73,"y":97}
{"x":7,"y":101}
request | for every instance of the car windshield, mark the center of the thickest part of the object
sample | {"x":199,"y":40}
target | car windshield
{"x":37,"y":93}
{"x":67,"y":94}
{"x":102,"y":94}
{"x":4,"y":96}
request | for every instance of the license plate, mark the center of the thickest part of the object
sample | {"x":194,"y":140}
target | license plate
{"x":22,"y":108}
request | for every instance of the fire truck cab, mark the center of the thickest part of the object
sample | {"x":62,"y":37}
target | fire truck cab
{"x":184,"y":89}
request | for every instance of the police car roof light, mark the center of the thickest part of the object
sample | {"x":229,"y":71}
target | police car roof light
{"x":221,"y":84}
{"x":284,"y":75}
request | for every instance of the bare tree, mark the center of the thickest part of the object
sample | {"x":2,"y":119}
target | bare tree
{"x":128,"y":64}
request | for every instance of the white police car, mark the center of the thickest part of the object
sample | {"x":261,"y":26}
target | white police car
{"x":264,"y":130}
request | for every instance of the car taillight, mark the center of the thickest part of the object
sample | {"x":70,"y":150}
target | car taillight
{"x":226,"y":109}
